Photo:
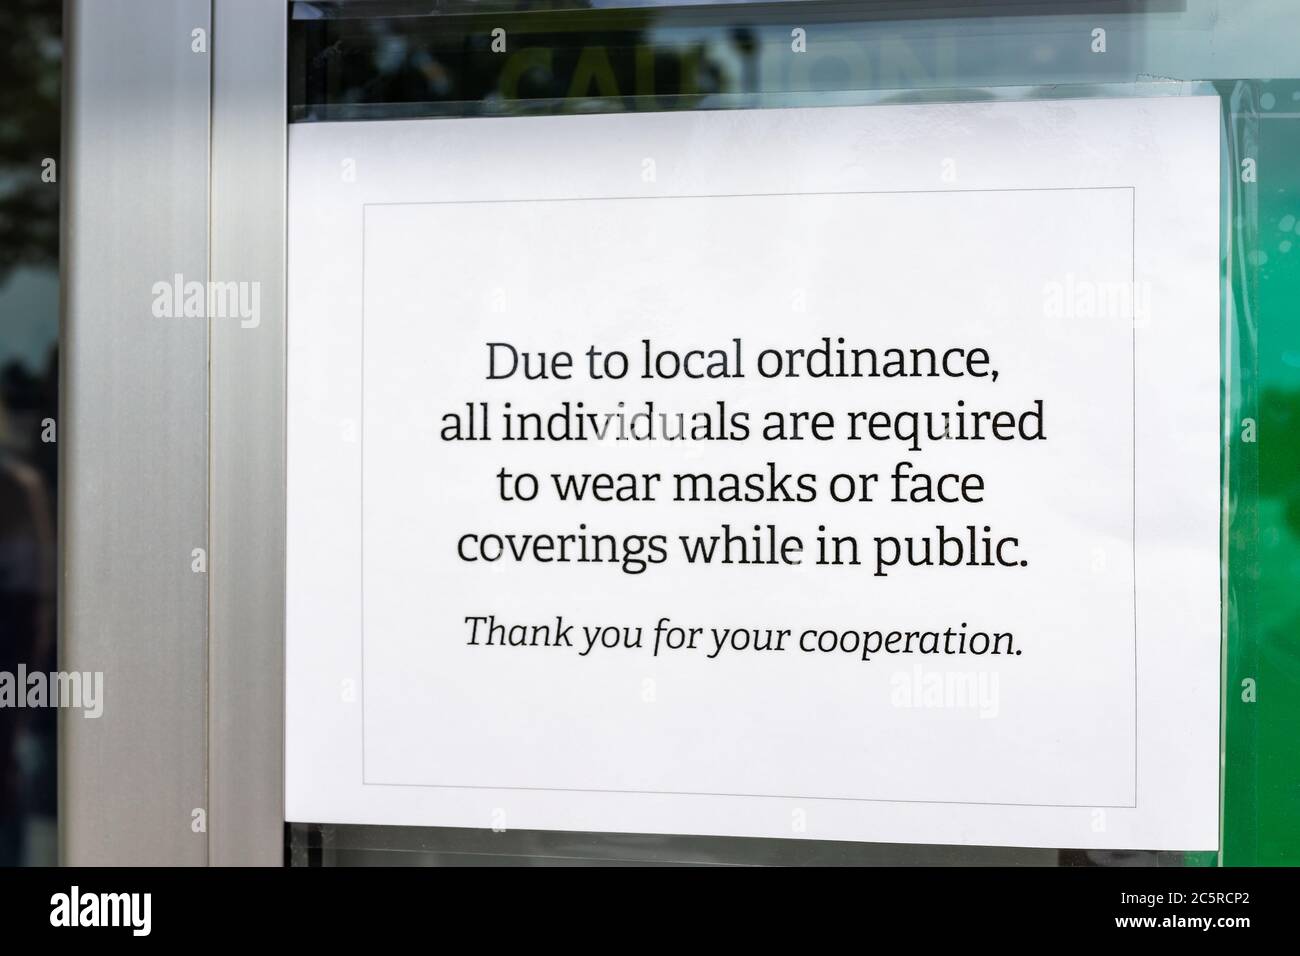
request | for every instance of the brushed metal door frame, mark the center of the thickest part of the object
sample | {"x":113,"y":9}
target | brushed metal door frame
{"x":171,"y":499}
{"x":247,"y":437}
{"x":133,"y":452}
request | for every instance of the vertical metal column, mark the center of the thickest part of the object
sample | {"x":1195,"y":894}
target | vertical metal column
{"x":246,"y":653}
{"x":133,"y":442}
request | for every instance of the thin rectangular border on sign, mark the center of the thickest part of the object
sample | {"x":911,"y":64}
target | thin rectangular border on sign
{"x":1132,"y":190}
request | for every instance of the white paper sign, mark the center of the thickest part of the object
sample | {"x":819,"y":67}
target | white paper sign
{"x":845,"y":473}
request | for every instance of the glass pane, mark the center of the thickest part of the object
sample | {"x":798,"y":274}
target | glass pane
{"x":29,"y":369}
{"x":360,"y":61}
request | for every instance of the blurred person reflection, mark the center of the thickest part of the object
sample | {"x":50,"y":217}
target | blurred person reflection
{"x":26,"y":614}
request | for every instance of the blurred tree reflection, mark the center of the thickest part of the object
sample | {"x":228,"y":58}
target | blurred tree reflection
{"x":29,"y":132}
{"x":30,"y":83}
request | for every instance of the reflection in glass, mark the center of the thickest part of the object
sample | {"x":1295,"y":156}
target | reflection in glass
{"x":29,"y":306}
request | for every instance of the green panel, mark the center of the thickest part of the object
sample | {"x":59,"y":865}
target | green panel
{"x":1262,"y":794}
